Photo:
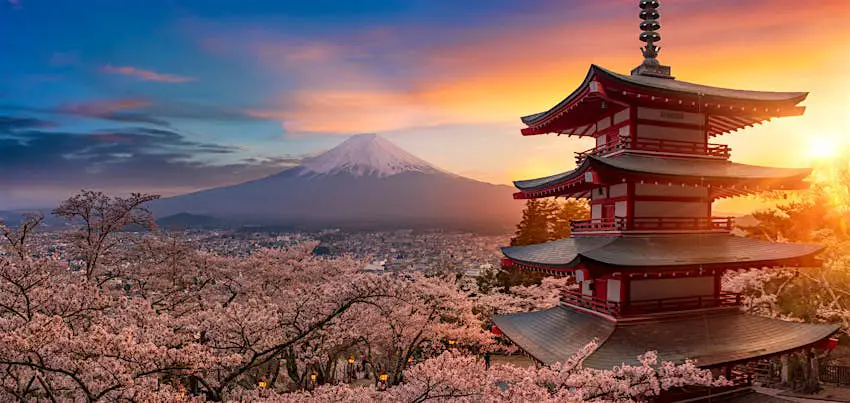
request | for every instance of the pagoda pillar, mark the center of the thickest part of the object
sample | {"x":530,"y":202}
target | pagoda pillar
{"x":625,"y":293}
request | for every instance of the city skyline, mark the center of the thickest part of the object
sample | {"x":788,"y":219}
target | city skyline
{"x":173,"y":96}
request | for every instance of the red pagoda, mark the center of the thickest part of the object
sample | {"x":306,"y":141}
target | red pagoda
{"x":649,"y":262}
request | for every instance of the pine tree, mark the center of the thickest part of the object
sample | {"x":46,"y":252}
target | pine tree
{"x":536,"y":223}
{"x":569,"y":210}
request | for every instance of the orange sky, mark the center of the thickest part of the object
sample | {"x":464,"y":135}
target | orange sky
{"x":446,"y":80}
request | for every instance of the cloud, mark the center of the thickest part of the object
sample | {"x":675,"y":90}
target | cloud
{"x":57,"y":163}
{"x":143,"y":110}
{"x":146,"y":75}
{"x":11,"y":123}
{"x":490,"y":71}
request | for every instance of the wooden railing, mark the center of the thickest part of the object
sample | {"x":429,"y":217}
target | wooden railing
{"x":599,"y":224}
{"x":683,"y":303}
{"x":620,"y":224}
{"x":839,"y":375}
{"x":576,"y":298}
{"x":683,"y":223}
{"x":659,"y":145}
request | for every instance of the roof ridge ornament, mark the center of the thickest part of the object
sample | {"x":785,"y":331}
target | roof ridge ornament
{"x":650,"y":66}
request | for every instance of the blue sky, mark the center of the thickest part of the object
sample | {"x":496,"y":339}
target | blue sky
{"x":170,"y":96}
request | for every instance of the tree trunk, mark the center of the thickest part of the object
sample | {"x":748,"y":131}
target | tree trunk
{"x":784,"y":377}
{"x":811,"y":384}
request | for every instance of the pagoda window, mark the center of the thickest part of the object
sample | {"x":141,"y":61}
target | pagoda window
{"x":649,"y":132}
{"x":655,"y":289}
{"x":601,"y":141}
{"x":670,"y":209}
{"x":613,"y":290}
{"x":618,"y":190}
{"x":653,"y":189}
{"x":595,"y":211}
{"x":621,"y":116}
{"x":603,"y":124}
{"x":621,"y":208}
{"x":587,"y":288}
{"x":664,"y":115}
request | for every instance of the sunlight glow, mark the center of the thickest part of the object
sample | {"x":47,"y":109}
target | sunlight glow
{"x":823,"y":148}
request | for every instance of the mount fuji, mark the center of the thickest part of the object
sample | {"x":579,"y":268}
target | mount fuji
{"x":366,"y":182}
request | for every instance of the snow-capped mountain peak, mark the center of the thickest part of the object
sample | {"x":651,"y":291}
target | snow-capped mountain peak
{"x":365,"y":155}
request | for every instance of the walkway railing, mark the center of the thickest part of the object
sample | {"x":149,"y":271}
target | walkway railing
{"x":620,"y":224}
{"x":576,"y":298}
{"x":659,"y":145}
{"x":599,"y":225}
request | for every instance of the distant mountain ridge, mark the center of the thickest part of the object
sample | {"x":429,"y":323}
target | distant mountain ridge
{"x":365,"y":182}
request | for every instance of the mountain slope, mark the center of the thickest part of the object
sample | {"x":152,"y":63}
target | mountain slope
{"x":366,"y":155}
{"x":365,"y":182}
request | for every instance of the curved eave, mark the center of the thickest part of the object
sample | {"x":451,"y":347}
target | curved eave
{"x":728,"y":179}
{"x":698,"y":171}
{"x":536,"y":118}
{"x":711,"y":338}
{"x":662,"y":253}
{"x":705,"y":92}
{"x":729,"y":109}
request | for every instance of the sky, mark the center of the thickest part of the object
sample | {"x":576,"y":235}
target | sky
{"x":171,"y":96}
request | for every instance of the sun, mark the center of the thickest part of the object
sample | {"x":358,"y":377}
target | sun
{"x":823,"y":148}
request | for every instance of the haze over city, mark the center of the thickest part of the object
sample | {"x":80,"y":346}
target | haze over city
{"x":173,"y":96}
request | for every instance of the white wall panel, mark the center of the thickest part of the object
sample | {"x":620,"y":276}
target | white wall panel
{"x":671,"y":288}
{"x":670,"y":209}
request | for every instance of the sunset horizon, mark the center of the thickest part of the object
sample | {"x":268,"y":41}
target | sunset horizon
{"x":229,"y":95}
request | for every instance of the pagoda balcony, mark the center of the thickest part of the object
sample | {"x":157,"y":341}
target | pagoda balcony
{"x":650,"y":306}
{"x":623,"y":224}
{"x":658,"y":145}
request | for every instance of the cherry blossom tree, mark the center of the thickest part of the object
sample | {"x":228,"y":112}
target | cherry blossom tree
{"x":458,"y":377}
{"x":156,"y":319}
{"x":101,"y":217}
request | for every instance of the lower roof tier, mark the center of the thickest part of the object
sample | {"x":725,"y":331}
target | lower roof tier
{"x":661,"y":252}
{"x":725,"y":178}
{"x":710,"y":338}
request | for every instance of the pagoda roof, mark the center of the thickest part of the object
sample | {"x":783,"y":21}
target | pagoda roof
{"x":735,"y":108}
{"x":655,"y":168}
{"x":711,"y":338}
{"x":662,"y":252}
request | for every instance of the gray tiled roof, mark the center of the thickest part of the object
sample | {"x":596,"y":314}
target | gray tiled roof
{"x":659,"y":251}
{"x":710,"y":338}
{"x":696,"y":167}
{"x":656,"y":167}
{"x":674,"y":87}
{"x":685,"y":87}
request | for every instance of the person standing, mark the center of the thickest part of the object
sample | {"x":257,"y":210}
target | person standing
{"x":486,"y":360}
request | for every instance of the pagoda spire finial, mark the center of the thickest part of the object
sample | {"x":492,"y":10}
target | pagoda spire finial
{"x":649,"y":25}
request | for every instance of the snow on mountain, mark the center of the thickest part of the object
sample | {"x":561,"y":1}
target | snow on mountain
{"x":364,"y":183}
{"x":365,"y":155}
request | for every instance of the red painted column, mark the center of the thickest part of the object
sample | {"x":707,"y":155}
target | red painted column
{"x":630,"y":205}
{"x":625,"y":287}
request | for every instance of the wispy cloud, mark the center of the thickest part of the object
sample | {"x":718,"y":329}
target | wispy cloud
{"x":394,"y":77}
{"x":143,"y":110}
{"x":147,"y":75}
